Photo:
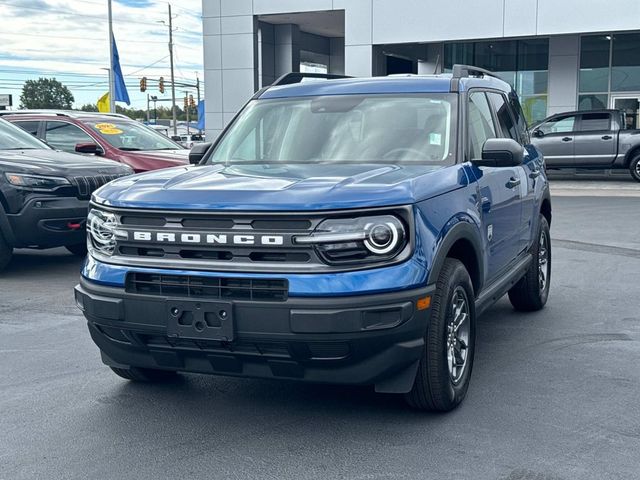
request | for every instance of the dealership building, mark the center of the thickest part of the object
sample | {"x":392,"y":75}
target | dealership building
{"x":559,"y":55}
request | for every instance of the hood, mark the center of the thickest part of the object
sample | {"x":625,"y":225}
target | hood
{"x":281,"y":187}
{"x":155,"y":159}
{"x":53,"y":162}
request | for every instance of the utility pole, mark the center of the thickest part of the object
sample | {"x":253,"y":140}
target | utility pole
{"x":112,"y":90}
{"x":173,"y":83}
{"x":198,"y":104}
{"x":186,"y":102}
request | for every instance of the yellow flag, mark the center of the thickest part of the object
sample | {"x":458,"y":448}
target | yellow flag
{"x":103,"y":103}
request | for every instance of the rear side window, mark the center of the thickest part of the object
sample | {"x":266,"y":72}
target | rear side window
{"x":30,"y":126}
{"x":521,"y":122}
{"x":558,"y":125}
{"x":595,"y":121}
{"x":505,"y":120}
{"x":65,"y":136}
{"x":480,"y":124}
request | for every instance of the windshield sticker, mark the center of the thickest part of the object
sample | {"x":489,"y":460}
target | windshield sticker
{"x":435,"y":139}
{"x":108,"y":129}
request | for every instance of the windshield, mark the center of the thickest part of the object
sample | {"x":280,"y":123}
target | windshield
{"x":132,"y":136}
{"x":14,"y":138}
{"x":405,"y":128}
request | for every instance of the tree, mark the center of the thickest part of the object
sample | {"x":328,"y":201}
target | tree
{"x":45,"y":93}
{"x":89,"y":107}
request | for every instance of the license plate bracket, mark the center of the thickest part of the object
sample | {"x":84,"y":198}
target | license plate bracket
{"x":196,"y":320}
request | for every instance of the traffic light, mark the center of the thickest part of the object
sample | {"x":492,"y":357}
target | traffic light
{"x":192,"y":102}
{"x":161,"y":84}
{"x":186,"y":102}
{"x":143,"y":84}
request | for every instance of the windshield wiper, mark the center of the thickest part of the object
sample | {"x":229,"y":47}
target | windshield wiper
{"x":130,"y":149}
{"x":22,"y":148}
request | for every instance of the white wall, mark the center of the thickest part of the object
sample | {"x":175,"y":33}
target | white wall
{"x":231,"y":40}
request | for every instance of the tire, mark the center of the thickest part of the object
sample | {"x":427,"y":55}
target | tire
{"x":532,"y":291}
{"x":146,"y":375}
{"x":79,"y":249}
{"x":439,"y":386}
{"x":634,"y":168}
{"x":6,"y":252}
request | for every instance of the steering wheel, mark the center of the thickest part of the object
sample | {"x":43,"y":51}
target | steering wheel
{"x":391,"y":154}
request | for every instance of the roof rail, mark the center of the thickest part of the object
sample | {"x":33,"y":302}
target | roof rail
{"x":462,"y":71}
{"x":58,"y":113}
{"x":298,"y":77}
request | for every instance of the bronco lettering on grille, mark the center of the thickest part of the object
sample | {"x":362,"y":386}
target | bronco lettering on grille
{"x":208,"y":238}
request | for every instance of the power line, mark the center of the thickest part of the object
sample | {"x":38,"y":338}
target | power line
{"x":76,"y":38}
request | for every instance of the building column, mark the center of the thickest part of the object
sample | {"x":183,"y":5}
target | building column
{"x":287,"y":49}
{"x":564,"y":58}
{"x":230,"y":57}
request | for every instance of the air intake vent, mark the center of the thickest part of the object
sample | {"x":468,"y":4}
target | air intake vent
{"x":213,"y":288}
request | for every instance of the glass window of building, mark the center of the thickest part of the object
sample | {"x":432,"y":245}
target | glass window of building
{"x":522,"y":63}
{"x":625,"y":62}
{"x":594,"y":63}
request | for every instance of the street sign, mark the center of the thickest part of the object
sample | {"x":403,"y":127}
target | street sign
{"x":5,"y":100}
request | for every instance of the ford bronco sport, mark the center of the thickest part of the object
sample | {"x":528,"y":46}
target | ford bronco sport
{"x":339,"y":230}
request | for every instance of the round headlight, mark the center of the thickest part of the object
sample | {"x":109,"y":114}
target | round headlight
{"x":101,"y":228}
{"x":382,"y":238}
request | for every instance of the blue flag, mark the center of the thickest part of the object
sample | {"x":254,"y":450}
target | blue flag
{"x":200,"y":115}
{"x":120,"y":93}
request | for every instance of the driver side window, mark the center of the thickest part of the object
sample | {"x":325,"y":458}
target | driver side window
{"x":480,"y":124}
{"x":558,"y":125}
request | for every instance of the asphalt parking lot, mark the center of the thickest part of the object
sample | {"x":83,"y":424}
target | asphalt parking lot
{"x":554,"y":394}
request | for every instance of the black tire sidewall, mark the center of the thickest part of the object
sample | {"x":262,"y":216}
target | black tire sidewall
{"x":455,"y":393}
{"x":633,"y":168}
{"x":544,"y":226}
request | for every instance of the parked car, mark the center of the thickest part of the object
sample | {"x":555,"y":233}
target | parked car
{"x":594,"y":139}
{"x":343,"y":231}
{"x":44,"y":193}
{"x":188,"y":141}
{"x":111,"y":136}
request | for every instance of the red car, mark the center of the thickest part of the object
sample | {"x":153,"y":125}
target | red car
{"x":111,"y":136}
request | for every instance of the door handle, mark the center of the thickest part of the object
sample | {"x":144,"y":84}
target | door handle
{"x":607,"y":137}
{"x":513,"y":182}
{"x":567,"y":139}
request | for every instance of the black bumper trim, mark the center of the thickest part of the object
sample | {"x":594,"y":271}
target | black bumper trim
{"x":368,"y":339}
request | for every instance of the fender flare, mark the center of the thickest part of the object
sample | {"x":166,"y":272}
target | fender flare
{"x":463,"y":230}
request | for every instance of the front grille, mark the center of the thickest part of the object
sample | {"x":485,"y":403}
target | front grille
{"x":87,"y":185}
{"x":208,"y":288}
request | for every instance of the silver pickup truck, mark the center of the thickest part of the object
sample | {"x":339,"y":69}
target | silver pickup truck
{"x":594,"y":139}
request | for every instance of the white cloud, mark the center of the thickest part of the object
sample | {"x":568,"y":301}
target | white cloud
{"x":68,"y":39}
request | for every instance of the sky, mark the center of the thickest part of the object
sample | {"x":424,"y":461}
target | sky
{"x":68,"y":40}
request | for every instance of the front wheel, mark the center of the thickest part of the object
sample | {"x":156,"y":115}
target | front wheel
{"x":79,"y":249}
{"x":6,"y":252}
{"x":531,"y":292}
{"x":445,"y":367}
{"x":634,"y":168}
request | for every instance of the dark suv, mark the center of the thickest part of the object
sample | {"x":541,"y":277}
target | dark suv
{"x":44,"y":194}
{"x":339,"y":230}
{"x":112,"y":136}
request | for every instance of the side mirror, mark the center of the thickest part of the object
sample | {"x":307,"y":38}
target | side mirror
{"x":91,"y":148}
{"x":538,"y":133}
{"x":501,"y":152}
{"x":198,"y":152}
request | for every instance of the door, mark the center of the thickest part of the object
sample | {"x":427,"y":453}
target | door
{"x":500,"y":191}
{"x":630,"y":105}
{"x":595,"y":142}
{"x":555,"y":139}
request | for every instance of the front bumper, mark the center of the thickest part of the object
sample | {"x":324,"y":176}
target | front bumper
{"x":49,"y":222}
{"x":366,"y":339}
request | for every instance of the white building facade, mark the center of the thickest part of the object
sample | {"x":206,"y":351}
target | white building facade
{"x":560,"y":55}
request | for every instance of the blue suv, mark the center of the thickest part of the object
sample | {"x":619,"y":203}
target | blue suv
{"x":339,"y":230}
